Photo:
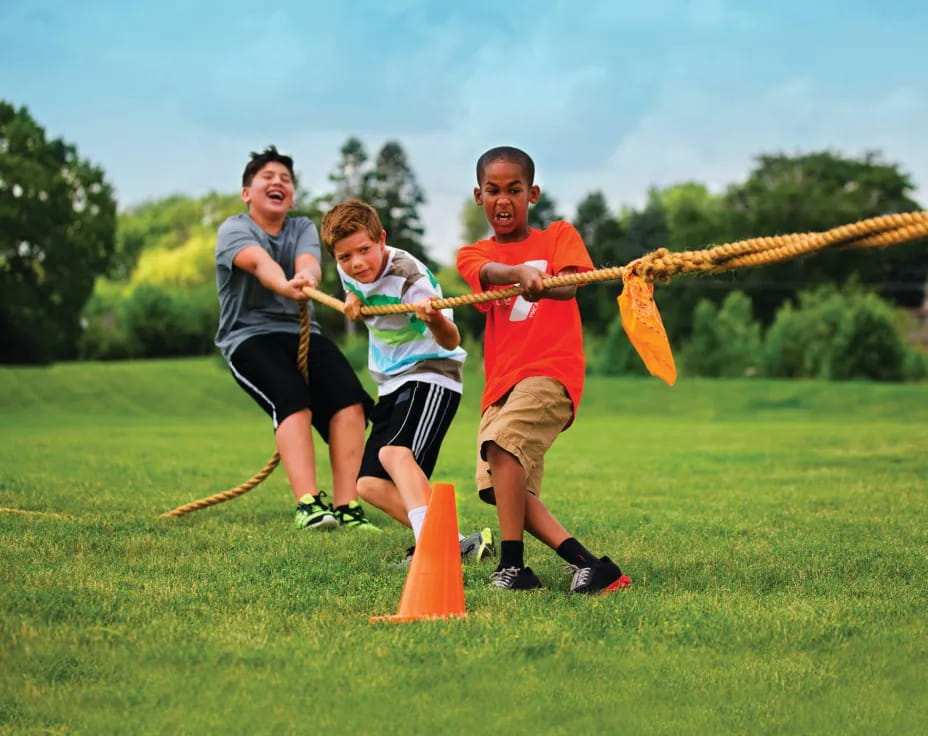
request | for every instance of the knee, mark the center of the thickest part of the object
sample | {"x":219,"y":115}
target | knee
{"x":496,"y":455}
{"x":299,"y":419}
{"x":393,"y":455}
{"x":351,"y":416}
{"x":367,"y":489}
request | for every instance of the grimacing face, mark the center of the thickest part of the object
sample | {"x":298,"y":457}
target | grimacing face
{"x":505,"y":195}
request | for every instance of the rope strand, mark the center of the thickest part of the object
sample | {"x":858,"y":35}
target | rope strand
{"x":239,"y":490}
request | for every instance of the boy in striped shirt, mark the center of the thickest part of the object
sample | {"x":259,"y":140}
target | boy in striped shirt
{"x":415,"y":359}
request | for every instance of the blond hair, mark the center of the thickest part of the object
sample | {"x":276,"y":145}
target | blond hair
{"x":348,"y":218}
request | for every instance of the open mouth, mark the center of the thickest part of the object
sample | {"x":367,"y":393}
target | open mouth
{"x":276,"y":196}
{"x":503,"y":217}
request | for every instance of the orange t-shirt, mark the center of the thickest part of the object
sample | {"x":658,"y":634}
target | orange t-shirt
{"x":522,"y":338}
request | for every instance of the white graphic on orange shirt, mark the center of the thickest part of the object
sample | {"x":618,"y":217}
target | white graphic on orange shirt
{"x":522,"y":309}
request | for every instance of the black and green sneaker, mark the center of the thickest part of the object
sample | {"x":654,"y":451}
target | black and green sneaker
{"x":352,"y":517}
{"x":313,"y":512}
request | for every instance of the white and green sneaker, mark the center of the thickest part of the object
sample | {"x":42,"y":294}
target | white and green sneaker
{"x":478,"y":546}
{"x":313,"y":512}
{"x":474,"y":548}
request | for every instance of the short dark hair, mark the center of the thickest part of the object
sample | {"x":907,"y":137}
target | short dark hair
{"x":507,"y":153}
{"x":350,"y":217}
{"x":260,"y":160}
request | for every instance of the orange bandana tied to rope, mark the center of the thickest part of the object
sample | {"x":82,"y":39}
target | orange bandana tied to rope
{"x":644,"y":327}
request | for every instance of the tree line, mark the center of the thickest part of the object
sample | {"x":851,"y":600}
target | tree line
{"x":80,"y":280}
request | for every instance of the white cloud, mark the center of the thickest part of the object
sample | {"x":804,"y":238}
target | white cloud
{"x":692,"y":135}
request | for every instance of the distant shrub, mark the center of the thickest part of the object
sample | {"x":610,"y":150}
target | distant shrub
{"x":836,"y":335}
{"x":725,"y":342}
{"x":189,"y":265}
{"x":613,"y":354}
{"x":915,"y":367}
{"x":164,"y":322}
{"x":104,"y":336}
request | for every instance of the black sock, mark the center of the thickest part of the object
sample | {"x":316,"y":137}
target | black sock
{"x":575,"y":553}
{"x":511,"y":554}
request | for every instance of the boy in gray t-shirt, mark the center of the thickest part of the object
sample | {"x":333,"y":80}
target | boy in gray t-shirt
{"x":263,"y":260}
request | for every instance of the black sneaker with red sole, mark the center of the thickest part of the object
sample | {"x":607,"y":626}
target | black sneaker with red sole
{"x":602,"y":577}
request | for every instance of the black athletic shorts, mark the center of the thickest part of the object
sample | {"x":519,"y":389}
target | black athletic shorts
{"x":266,"y":367}
{"x":417,"y":415}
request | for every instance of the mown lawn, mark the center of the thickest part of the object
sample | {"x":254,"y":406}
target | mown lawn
{"x":776,"y":533}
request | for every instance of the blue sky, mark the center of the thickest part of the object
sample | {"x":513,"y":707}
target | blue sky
{"x":618,"y":96}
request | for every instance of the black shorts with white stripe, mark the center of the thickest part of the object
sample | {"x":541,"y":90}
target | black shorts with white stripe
{"x":417,"y":415}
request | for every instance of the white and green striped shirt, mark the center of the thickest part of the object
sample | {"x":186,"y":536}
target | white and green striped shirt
{"x":401,"y":346}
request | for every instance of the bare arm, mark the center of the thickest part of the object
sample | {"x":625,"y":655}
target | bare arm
{"x":443,"y":329}
{"x":308,"y":265}
{"x":562,"y":293}
{"x":529,"y":278}
{"x":255,"y":260}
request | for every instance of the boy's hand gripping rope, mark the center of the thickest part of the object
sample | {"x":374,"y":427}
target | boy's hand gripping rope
{"x":639,"y":315}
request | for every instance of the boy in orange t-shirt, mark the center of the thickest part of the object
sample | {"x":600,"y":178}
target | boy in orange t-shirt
{"x":534,"y":363}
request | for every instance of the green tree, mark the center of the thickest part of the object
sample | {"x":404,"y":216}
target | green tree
{"x":474,"y":225}
{"x":167,"y":223}
{"x":837,"y":335}
{"x":543,"y":212}
{"x":818,"y":191}
{"x":614,"y":355}
{"x":603,"y":235}
{"x":646,"y":230}
{"x":726,"y":342}
{"x":352,"y":175}
{"x":57,"y":227}
{"x":695,"y":219}
{"x":390,"y":187}
{"x":397,"y":196}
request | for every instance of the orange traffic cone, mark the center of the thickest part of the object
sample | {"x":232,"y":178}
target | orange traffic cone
{"x":435,"y":583}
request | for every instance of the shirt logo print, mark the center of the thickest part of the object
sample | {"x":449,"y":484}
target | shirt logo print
{"x":522,"y":309}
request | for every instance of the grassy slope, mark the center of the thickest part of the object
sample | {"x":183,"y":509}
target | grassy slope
{"x":775,"y":532}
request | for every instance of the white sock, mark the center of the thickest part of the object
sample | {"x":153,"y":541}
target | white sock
{"x":416,"y":519}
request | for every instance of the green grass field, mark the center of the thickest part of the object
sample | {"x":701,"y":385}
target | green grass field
{"x":776,"y":533}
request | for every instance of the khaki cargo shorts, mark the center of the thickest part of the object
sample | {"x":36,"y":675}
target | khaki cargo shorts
{"x":524,"y":422}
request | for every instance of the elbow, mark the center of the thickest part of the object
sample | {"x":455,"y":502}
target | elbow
{"x":452,"y":341}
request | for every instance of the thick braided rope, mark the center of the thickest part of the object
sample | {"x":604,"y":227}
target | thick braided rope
{"x":257,"y":478}
{"x":662,"y":264}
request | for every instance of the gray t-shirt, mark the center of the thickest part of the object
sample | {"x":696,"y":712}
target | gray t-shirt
{"x":246,"y":308}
